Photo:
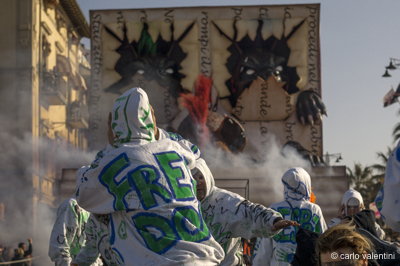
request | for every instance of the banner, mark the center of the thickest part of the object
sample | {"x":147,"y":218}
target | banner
{"x":263,"y":61}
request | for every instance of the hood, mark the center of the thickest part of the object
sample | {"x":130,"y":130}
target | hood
{"x":349,"y":194}
{"x":201,"y":166}
{"x":132,"y":119}
{"x":297,"y":184}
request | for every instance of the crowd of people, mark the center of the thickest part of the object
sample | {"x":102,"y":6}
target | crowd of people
{"x":149,"y":198}
{"x":19,"y":256}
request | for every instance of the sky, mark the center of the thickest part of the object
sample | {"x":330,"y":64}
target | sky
{"x":357,"y":39}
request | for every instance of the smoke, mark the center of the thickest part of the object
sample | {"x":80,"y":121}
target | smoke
{"x":263,"y":166}
{"x":30,"y":178}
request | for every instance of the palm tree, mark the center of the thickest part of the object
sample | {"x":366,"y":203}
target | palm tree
{"x":359,"y":176}
{"x":363,"y":180}
{"x":380,"y":168}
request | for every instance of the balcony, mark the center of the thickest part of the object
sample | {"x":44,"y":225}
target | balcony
{"x":54,"y":88}
{"x":77,"y":115}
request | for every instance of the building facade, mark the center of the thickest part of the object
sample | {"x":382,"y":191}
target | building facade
{"x":44,"y":78}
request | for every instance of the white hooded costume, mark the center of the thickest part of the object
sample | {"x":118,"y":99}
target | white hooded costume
{"x":97,"y":227}
{"x":349,"y":194}
{"x":353,"y":196}
{"x":230,"y":217}
{"x":67,"y":236}
{"x":389,"y":196}
{"x":280,"y":249}
{"x":147,"y":187}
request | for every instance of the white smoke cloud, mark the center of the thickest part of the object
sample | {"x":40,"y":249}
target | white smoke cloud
{"x":263,"y":167}
{"x":23,"y":218}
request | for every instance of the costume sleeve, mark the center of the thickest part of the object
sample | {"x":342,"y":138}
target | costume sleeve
{"x":321,"y":220}
{"x":334,"y":221}
{"x":63,"y":234}
{"x":88,"y":253}
{"x":242,"y":217}
{"x":379,"y":231}
{"x":262,"y":254}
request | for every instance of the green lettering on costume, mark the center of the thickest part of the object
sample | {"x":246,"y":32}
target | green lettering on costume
{"x":188,"y":223}
{"x":161,"y":235}
{"x":296,"y":214}
{"x":144,"y":179}
{"x":305,"y":219}
{"x":284,"y":211}
{"x":181,"y":192}
{"x":107,"y":176}
{"x":282,"y":236}
{"x":316,"y":221}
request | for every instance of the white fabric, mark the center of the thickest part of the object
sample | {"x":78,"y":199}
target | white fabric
{"x":297,"y":184}
{"x":391,"y":191}
{"x":97,"y":242}
{"x":97,"y":228}
{"x":348,"y":195}
{"x":230,"y":217}
{"x":132,"y":119}
{"x":147,"y":187}
{"x":68,"y":236}
{"x":280,"y":249}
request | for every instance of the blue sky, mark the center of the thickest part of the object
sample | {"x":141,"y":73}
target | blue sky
{"x":357,"y":39}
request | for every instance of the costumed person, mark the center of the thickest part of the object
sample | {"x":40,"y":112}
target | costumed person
{"x":68,"y":236}
{"x":352,"y":204}
{"x":97,"y":227}
{"x":389,"y":196}
{"x":146,"y":186}
{"x":231,"y":217}
{"x":280,"y":249}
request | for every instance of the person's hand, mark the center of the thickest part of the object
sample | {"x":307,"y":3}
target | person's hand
{"x":283,"y":224}
{"x":30,"y":240}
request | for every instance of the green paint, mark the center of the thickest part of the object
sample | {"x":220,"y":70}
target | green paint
{"x":145,"y":182}
{"x":149,"y":127}
{"x":116,"y":116}
{"x":174,"y":174}
{"x":145,"y":115}
{"x":107,"y":178}
{"x":155,"y":243}
{"x":189,"y":216}
{"x":146,"y":46}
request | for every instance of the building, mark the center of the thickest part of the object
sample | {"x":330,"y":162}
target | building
{"x":44,"y":77}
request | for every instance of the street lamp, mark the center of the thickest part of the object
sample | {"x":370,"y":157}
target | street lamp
{"x":393,"y":64}
{"x":391,"y":96}
{"x":336,"y":156}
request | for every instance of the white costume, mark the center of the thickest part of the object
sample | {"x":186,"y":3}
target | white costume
{"x":97,"y":242}
{"x":97,"y":228}
{"x":67,"y":236}
{"x":281,"y":248}
{"x":347,"y":196}
{"x":147,"y":187}
{"x":389,"y":196}
{"x":231,"y":217}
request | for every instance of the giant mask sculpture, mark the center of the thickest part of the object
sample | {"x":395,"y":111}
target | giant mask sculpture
{"x":156,"y":63}
{"x":262,"y":59}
